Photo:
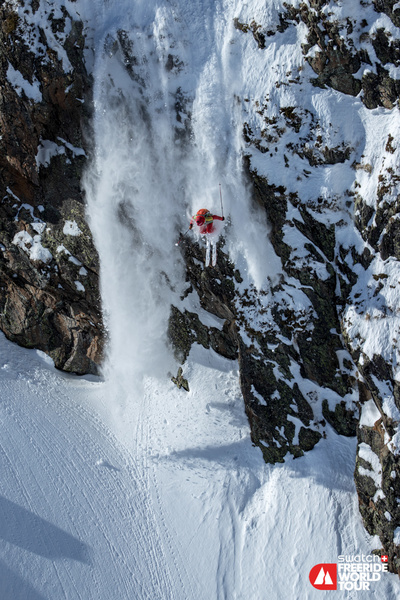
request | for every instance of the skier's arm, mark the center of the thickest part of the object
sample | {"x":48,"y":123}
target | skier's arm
{"x":218,"y":218}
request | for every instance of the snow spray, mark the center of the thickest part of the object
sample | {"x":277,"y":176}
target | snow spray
{"x":167,"y":129}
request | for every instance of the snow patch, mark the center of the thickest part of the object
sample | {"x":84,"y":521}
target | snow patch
{"x":74,"y":260}
{"x":369,"y":414}
{"x":46,"y":151}
{"x":21,"y":85}
{"x":32,"y":246}
{"x":365,"y":452}
{"x":260,"y":399}
{"x":396,"y":536}
{"x":79,"y":286}
{"x":71,"y":228}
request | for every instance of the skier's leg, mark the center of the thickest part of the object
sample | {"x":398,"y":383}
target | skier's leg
{"x":214,"y":252}
{"x":207,"y":251}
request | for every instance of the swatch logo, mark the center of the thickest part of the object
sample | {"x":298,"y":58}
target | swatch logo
{"x":324,"y":576}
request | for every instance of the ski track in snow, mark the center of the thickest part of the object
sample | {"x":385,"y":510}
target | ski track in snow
{"x":52,"y":450}
{"x":99,"y":503}
{"x":180,"y":507}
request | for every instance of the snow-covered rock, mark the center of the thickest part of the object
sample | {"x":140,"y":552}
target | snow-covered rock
{"x":42,"y":112}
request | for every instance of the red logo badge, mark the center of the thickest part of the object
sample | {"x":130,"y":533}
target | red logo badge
{"x":384,"y":558}
{"x":324,"y":576}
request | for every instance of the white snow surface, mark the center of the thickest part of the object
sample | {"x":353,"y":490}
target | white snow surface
{"x":71,"y":228}
{"x":369,"y":414}
{"x":20,"y":84}
{"x":32,"y":246}
{"x":108,"y":495}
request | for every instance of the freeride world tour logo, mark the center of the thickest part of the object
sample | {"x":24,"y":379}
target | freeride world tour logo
{"x":351,"y":573}
{"x":324,"y":576}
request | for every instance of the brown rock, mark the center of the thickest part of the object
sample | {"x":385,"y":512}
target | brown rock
{"x":47,"y":301}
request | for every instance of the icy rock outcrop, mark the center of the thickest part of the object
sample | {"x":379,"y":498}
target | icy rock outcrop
{"x":216,"y":291}
{"x":280,"y":416}
{"x":48,"y":276}
{"x":332,"y":320}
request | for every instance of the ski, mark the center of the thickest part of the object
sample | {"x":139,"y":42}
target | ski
{"x":214,"y":253}
{"x":208,"y":249}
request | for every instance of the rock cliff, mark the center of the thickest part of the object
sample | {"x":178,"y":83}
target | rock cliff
{"x":304,"y":348}
{"x":48,"y":263}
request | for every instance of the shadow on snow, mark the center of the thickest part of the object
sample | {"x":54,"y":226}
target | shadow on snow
{"x":26,"y":530}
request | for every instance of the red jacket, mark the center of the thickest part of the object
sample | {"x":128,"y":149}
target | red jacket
{"x":208,"y":225}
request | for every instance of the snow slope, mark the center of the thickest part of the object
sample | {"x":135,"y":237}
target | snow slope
{"x":166,"y":498}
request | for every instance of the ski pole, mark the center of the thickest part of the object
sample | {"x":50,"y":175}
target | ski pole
{"x":182,"y":236}
{"x":220,"y":195}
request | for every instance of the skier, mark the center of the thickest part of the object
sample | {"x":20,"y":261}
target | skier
{"x":205,"y":221}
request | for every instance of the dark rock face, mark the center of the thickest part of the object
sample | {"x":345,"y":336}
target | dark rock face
{"x":335,"y":57}
{"x":335,"y":62}
{"x":312,"y":340}
{"x":309,"y":341}
{"x":377,"y":465}
{"x":215,"y":289}
{"x":378,"y":503}
{"x":281,"y":417}
{"x":48,"y":264}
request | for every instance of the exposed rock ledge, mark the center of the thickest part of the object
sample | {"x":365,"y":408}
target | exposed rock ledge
{"x":48,"y":264}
